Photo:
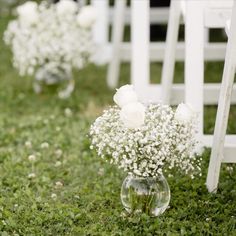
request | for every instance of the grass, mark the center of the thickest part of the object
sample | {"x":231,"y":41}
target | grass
{"x":88,"y":203}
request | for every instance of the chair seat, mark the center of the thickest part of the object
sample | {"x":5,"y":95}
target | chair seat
{"x":216,"y":17}
{"x":220,"y":4}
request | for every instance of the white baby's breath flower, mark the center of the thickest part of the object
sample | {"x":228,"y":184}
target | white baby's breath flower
{"x":57,"y":164}
{"x":125,"y":95}
{"x":160,"y":142}
{"x":144,"y":140}
{"x":229,"y":168}
{"x":58,"y":184}
{"x":56,"y":44}
{"x":87,"y":16}
{"x":58,"y":153}
{"x":68,"y":112}
{"x":45,"y":121}
{"x":58,"y":129}
{"x":184,"y":113}
{"x":32,"y":158}
{"x":54,"y":196}
{"x":101,"y":171}
{"x":44,"y":145}
{"x":31,"y":175}
{"x":28,"y":12}
{"x":133,"y":115}
{"x":28,"y":144}
{"x":65,"y":7}
{"x":4,"y":222}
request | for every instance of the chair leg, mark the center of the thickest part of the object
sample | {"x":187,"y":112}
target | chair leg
{"x":220,"y":131}
{"x":194,"y":59}
{"x":170,"y":51}
{"x":223,"y":109}
{"x":117,"y":37}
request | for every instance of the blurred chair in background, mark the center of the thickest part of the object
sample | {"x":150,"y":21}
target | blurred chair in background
{"x":198,"y":16}
{"x":121,"y":51}
{"x":158,"y":32}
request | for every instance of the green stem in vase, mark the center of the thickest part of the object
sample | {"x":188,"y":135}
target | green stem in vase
{"x":140,"y":202}
{"x":133,"y":199}
{"x":151,"y":200}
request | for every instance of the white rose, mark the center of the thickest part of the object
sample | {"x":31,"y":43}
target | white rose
{"x":65,"y":7}
{"x":184,"y":113}
{"x":28,"y":12}
{"x":125,"y":95}
{"x":133,"y":115}
{"x":87,"y":16}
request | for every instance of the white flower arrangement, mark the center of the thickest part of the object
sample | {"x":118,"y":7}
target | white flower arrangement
{"x":144,"y":140}
{"x":54,"y":36}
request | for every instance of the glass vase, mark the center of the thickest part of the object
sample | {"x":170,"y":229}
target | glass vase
{"x":46,"y":76}
{"x":149,"y":195}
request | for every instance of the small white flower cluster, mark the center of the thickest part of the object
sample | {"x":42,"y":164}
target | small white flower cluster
{"x":58,"y":36}
{"x":160,"y":139}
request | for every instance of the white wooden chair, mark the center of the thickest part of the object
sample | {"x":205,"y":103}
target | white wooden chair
{"x":198,"y":16}
{"x":121,"y":51}
{"x":221,"y":151}
{"x":209,"y":14}
{"x":118,"y":16}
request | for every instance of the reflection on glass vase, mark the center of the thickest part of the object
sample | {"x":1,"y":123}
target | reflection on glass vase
{"x":48,"y":75}
{"x":149,"y":195}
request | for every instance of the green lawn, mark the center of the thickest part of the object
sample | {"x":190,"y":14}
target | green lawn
{"x":88,"y":203}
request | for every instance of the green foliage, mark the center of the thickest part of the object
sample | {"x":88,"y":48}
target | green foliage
{"x":88,"y":203}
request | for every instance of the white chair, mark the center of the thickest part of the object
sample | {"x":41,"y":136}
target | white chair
{"x":198,"y":16}
{"x":113,"y":52}
{"x":221,"y":151}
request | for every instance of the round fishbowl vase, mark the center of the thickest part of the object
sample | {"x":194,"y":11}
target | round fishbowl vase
{"x":149,"y":195}
{"x":62,"y":78}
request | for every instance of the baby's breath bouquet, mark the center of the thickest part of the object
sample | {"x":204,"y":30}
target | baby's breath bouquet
{"x":49,"y":40}
{"x":145,"y":141}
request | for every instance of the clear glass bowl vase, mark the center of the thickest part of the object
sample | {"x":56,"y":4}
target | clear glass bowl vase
{"x":145,"y":195}
{"x":47,"y":75}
